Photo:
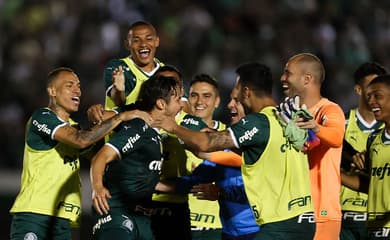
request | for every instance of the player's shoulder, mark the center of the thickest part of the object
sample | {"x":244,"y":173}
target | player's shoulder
{"x":135,"y":125}
{"x":43,"y":113}
{"x":193,"y":122}
{"x":114,"y":63}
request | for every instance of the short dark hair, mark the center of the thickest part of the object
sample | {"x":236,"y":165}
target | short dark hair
{"x":383,"y":79}
{"x":142,"y":23}
{"x":257,"y":77}
{"x":156,"y":87}
{"x":199,"y":78}
{"x":169,"y":68}
{"x":55,"y":72}
{"x":366,"y":69}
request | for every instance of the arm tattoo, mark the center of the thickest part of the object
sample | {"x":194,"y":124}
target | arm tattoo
{"x":219,"y":140}
{"x":99,"y":131}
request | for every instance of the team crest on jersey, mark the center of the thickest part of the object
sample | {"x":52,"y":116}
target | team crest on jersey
{"x":30,"y":236}
{"x":128,"y":224}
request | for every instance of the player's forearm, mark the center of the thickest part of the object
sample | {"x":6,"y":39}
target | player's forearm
{"x":350,"y":181}
{"x":118,"y":97}
{"x":331,"y":136}
{"x":85,"y":138}
{"x":165,"y":186}
{"x":97,"y":171}
{"x":194,"y":140}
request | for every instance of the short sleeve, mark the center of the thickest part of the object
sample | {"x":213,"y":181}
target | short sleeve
{"x":41,"y":129}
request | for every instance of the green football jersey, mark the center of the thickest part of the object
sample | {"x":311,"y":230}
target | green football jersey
{"x":132,"y":178}
{"x":134,"y":77}
{"x":50,"y":183}
{"x":276,"y":175}
{"x":356,"y":134}
{"x":379,"y":188}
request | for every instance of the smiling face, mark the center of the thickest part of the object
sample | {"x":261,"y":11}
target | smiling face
{"x":361,"y":89}
{"x":292,"y":79}
{"x":65,"y":92}
{"x":378,"y":97}
{"x":235,"y":107}
{"x":203,"y":99}
{"x":142,"y":41}
{"x":174,"y":104}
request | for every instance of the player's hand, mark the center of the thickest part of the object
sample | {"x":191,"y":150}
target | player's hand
{"x":128,"y":115}
{"x":95,"y":114}
{"x":307,"y":124}
{"x":206,"y":191}
{"x":359,"y":160}
{"x":99,"y":199}
{"x":118,"y":79}
{"x":167,"y":123}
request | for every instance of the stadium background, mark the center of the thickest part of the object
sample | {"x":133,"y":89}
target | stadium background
{"x":213,"y":37}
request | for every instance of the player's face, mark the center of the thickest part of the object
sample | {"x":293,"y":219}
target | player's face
{"x":292,"y":79}
{"x":174,"y":105}
{"x":378,"y":97}
{"x":66,"y":91}
{"x":203,"y":100}
{"x":240,"y":94}
{"x":143,"y":42}
{"x":176,"y":76}
{"x":235,"y":108}
{"x":361,"y":89}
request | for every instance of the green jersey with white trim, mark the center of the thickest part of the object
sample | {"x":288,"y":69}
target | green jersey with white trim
{"x":132,"y":178}
{"x":379,"y":188}
{"x":50,"y":182}
{"x":134,"y":77}
{"x":356,"y":134}
{"x":276,"y":175}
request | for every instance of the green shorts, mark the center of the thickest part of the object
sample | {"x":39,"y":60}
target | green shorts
{"x":379,"y":233}
{"x":301,"y":227}
{"x":202,"y":233}
{"x":353,"y":226}
{"x":171,"y":221}
{"x":120,"y":224}
{"x":38,"y":226}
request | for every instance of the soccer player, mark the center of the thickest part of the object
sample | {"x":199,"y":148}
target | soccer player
{"x":134,"y":157}
{"x":235,"y":213}
{"x":49,"y":199}
{"x":360,"y":122}
{"x":171,"y":215}
{"x":376,"y":158}
{"x":303,"y":76}
{"x":203,"y":99}
{"x":142,"y":41}
{"x":271,"y":165}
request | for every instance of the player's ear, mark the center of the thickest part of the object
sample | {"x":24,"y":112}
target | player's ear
{"x":160,"y":104}
{"x":358,"y":89}
{"x":217,"y":102}
{"x":157,"y":41}
{"x":51,"y":91}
